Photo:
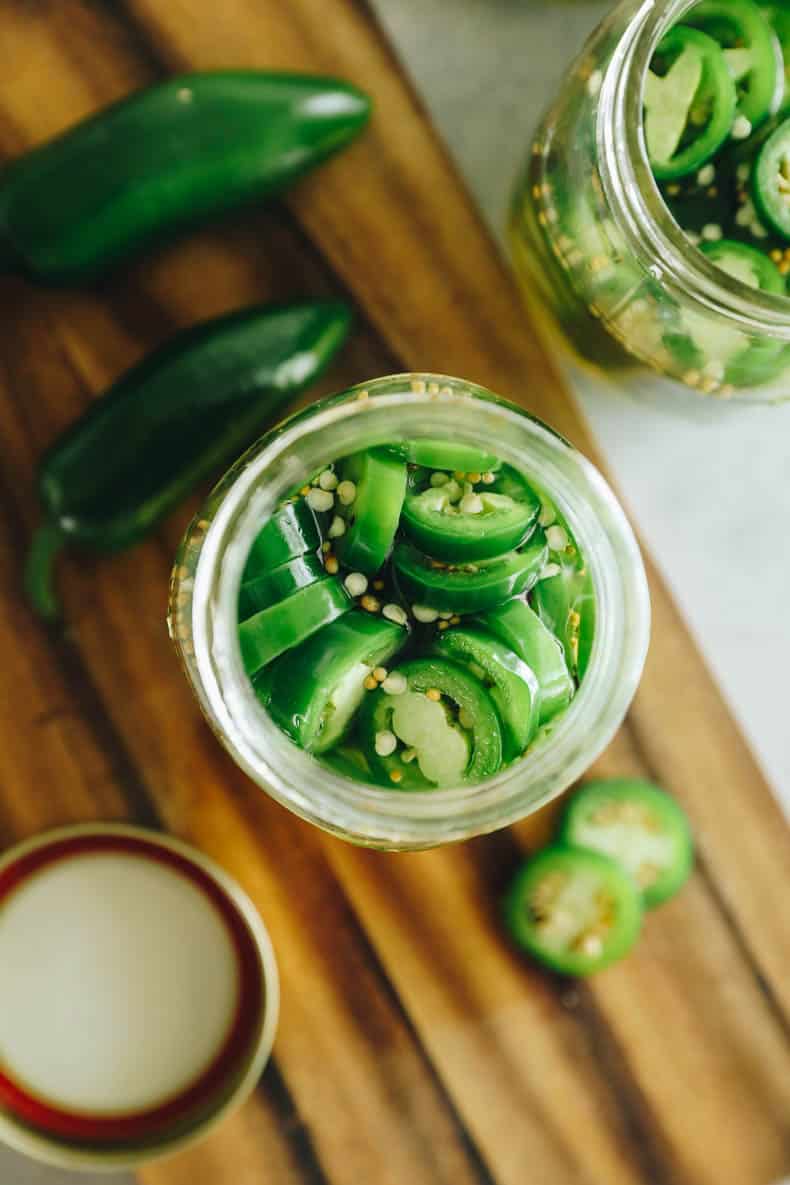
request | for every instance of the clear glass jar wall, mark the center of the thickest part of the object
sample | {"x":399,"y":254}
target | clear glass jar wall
{"x":207,"y":574}
{"x":595,"y":244}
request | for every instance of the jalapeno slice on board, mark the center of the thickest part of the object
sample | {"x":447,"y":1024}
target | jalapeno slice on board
{"x":574,"y":910}
{"x":771,"y":180}
{"x":520,"y":628}
{"x":272,"y":631}
{"x":370,"y":497}
{"x":473,"y":587}
{"x":459,"y":521}
{"x":751,"y":51}
{"x":431,"y":723}
{"x":638,"y":825}
{"x":317,"y":688}
{"x":279,"y":583}
{"x":689,"y":103}
{"x":511,"y":684}
{"x":447,"y":455}
{"x":290,"y":532}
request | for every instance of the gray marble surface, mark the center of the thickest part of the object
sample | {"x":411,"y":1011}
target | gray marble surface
{"x":709,"y":486}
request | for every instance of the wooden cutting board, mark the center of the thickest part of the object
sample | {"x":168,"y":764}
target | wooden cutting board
{"x":414,"y":1048}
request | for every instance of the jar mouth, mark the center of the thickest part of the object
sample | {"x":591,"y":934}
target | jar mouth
{"x":389,"y":409}
{"x":653,"y":235}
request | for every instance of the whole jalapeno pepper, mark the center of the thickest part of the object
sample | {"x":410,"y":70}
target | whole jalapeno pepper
{"x":162,"y":160}
{"x":169,"y":422}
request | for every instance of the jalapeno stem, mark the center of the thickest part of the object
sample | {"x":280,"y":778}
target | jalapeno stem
{"x":45,"y":545}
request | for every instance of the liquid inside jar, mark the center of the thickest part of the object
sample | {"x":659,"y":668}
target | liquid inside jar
{"x":416,"y":616}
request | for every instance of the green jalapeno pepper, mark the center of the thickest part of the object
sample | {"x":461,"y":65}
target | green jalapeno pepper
{"x":458,"y":522}
{"x":278,"y":584}
{"x":447,"y":455}
{"x":689,"y":107}
{"x":638,"y":825}
{"x":565,"y":600}
{"x":520,"y":628}
{"x":272,"y":631}
{"x":162,"y":160}
{"x":751,"y":51}
{"x":317,"y":688}
{"x":472,"y":588}
{"x":511,"y":684}
{"x":370,"y":497}
{"x":574,"y":910}
{"x":430,"y":724}
{"x":169,"y":422}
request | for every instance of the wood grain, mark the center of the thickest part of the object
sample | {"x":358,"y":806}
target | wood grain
{"x":414,"y":1046}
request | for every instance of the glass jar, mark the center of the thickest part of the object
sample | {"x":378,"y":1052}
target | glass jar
{"x":207,"y":574}
{"x":592,"y":236}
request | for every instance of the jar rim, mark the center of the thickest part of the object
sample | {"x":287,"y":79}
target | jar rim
{"x":417,"y":405}
{"x":653,"y":235}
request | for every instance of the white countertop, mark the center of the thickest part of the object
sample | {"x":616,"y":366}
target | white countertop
{"x":708,"y":485}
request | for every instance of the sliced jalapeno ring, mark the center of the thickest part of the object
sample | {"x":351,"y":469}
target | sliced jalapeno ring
{"x":292,"y":531}
{"x":473,"y":587}
{"x":447,"y":455}
{"x":746,"y":263}
{"x":638,"y":825}
{"x":272,"y":631}
{"x":317,"y":688}
{"x":574,"y":910}
{"x":370,"y":496}
{"x":511,"y":684}
{"x":565,"y":601}
{"x":460,"y":521}
{"x":440,"y":728}
{"x":690,"y":107}
{"x":520,"y":628}
{"x":771,"y":180}
{"x":751,"y":51}
{"x":278,"y":584}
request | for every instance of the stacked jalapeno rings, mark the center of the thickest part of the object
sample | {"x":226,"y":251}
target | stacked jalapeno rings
{"x":416,"y":616}
{"x":622,"y":846}
{"x":717,"y":132}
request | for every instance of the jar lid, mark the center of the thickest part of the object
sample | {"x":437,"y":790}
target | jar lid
{"x":138,"y":995}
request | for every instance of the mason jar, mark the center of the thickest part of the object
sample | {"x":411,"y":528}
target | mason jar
{"x":596,"y":247}
{"x":207,"y":574}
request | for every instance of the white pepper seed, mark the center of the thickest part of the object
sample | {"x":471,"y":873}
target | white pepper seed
{"x":408,"y":755}
{"x":439,"y":478}
{"x":706,"y":175}
{"x":337,"y":527}
{"x":395,"y":613}
{"x":320,"y":500}
{"x":557,"y":538}
{"x":347,"y":492}
{"x":424,"y":613}
{"x":471,"y":504}
{"x":394,"y":684}
{"x":356,"y":584}
{"x":328,"y":480}
{"x":386,"y":743}
{"x":547,"y":515}
{"x":741,"y":128}
{"x":549,"y":570}
{"x":712,"y":232}
{"x":445,"y":614}
{"x":488,"y":479}
{"x":465,"y":719}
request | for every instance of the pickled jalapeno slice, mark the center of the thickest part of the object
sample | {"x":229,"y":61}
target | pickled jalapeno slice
{"x":751,"y":50}
{"x":689,"y":103}
{"x":369,"y":498}
{"x":470,"y":587}
{"x":511,"y":684}
{"x":292,"y":531}
{"x":520,"y":628}
{"x":446,"y":455}
{"x":574,"y":910}
{"x":431,"y":723}
{"x":638,"y":825}
{"x":771,"y":180}
{"x":470,"y":518}
{"x":316,"y":689}
{"x":272,"y":631}
{"x":278,"y":583}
